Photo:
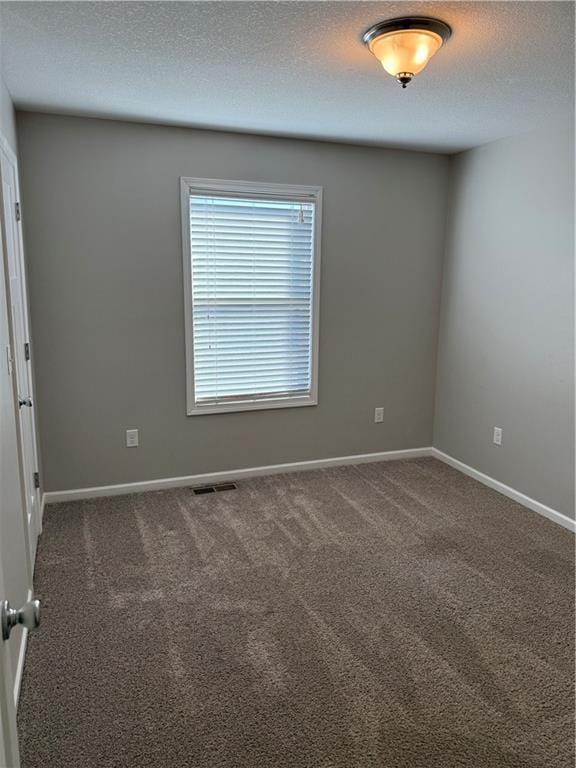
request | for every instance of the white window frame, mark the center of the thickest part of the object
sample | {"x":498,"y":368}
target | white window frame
{"x":192,"y":185}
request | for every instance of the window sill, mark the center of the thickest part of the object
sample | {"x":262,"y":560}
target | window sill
{"x":252,"y":405}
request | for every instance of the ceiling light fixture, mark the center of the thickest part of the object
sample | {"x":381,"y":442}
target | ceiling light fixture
{"x":404,"y":46}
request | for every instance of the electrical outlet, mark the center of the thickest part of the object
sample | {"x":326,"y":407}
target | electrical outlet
{"x":497,"y":438}
{"x":132,"y":438}
{"x":378,"y":415}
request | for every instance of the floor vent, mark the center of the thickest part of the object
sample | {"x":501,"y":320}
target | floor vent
{"x":214,"y":488}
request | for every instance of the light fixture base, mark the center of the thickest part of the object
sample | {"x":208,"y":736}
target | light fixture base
{"x":406,"y":23}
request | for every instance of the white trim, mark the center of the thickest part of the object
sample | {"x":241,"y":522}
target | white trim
{"x":506,"y":490}
{"x":271,"y":403}
{"x":52,"y":497}
{"x":21,"y":659}
{"x":187,"y":266}
{"x":231,"y":474}
{"x":190,"y":184}
{"x":33,"y":527}
{"x":10,"y":154}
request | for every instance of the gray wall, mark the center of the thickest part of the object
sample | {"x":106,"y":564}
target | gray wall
{"x":506,"y":348}
{"x":102,"y":230}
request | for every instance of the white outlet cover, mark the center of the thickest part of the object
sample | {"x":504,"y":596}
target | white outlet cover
{"x":132,"y":438}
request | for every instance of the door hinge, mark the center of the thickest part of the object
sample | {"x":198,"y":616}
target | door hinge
{"x":18,"y":212}
{"x":36,"y":479}
{"x":27,"y":350}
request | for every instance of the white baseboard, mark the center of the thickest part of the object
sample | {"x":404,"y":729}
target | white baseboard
{"x":21,"y":659}
{"x":51,"y":497}
{"x":526,"y":501}
{"x":209,"y":478}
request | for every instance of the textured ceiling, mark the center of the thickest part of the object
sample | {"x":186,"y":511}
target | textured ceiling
{"x":293,"y":68}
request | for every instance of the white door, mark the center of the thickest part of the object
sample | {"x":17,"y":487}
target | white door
{"x":21,"y":343}
{"x":15,"y":578}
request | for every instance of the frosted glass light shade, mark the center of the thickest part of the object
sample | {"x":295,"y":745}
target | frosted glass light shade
{"x":406,"y":50}
{"x":405,"y":46}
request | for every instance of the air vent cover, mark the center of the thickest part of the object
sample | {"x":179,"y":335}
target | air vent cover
{"x":214,"y":488}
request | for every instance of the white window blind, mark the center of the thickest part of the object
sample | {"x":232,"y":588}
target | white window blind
{"x":252,"y":274}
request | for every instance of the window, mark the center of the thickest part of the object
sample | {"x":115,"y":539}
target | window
{"x":251,"y":272}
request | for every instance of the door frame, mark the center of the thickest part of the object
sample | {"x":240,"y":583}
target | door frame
{"x":10,"y":681}
{"x":35,"y":528}
{"x":9,"y":751}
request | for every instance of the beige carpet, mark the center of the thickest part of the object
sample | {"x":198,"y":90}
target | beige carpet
{"x":397,"y":615}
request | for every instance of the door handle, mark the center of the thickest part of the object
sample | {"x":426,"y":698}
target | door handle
{"x":28,"y":616}
{"x":27,"y":401}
